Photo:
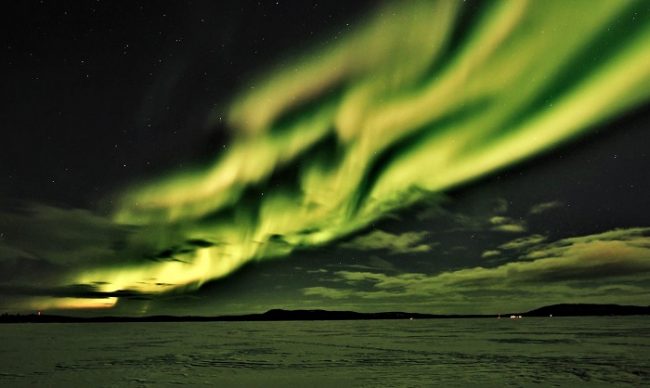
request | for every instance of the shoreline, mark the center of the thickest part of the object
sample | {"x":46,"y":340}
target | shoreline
{"x":560,"y":310}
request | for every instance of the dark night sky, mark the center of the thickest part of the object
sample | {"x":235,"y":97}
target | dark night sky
{"x":101,"y":96}
{"x":132,"y":88}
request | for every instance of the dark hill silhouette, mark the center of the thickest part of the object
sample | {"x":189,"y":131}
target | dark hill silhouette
{"x":581,"y":309}
{"x":325,"y":315}
{"x":311,"y":315}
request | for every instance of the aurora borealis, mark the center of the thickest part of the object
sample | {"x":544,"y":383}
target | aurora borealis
{"x":367,"y":144}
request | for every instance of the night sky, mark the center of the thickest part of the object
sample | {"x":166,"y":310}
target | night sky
{"x":200,"y":157}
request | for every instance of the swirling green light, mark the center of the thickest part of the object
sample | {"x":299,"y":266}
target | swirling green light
{"x":409,"y":104}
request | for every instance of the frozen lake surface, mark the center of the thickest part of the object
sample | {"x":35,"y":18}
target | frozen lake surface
{"x":532,"y":351}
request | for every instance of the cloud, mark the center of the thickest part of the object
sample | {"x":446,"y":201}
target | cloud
{"x":326,"y":292}
{"x":372,"y":263}
{"x":593,"y":268}
{"x":545,"y":206}
{"x":404,"y":243}
{"x":68,"y":237}
{"x":454,"y":221}
{"x":72,"y":296}
{"x":501,"y":205}
{"x":608,"y":243}
{"x":507,"y":224}
{"x":490,"y":253}
{"x":523,"y":242}
{"x":82,"y":291}
{"x":510,"y":228}
{"x":44,"y":248}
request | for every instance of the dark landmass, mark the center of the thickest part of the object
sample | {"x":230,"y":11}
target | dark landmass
{"x":325,"y":315}
{"x":578,"y":310}
{"x":271,"y":315}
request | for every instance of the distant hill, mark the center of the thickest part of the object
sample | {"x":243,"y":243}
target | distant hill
{"x":326,"y":315}
{"x":322,"y":315}
{"x":271,"y":315}
{"x":576,"y":310}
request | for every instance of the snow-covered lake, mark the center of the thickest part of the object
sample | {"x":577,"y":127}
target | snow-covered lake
{"x":530,"y":351}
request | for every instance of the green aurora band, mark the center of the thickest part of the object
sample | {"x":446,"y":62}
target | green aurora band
{"x":421,"y":97}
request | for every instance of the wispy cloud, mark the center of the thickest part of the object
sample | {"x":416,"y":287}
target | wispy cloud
{"x":606,"y":265}
{"x":507,"y":224}
{"x":478,"y":220}
{"x":523,"y":242}
{"x":608,"y":244}
{"x":545,"y":206}
{"x":403,"y":243}
{"x":326,"y":292}
{"x":61,"y":236}
{"x":44,"y":248}
{"x":500,"y":206}
{"x":490,"y":253}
